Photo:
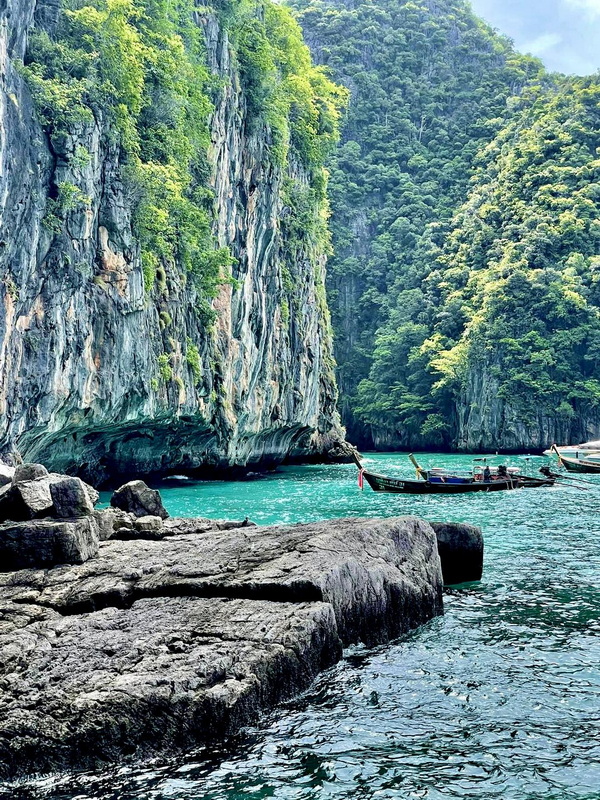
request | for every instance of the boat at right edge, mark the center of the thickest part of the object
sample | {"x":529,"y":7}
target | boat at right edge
{"x":577,"y":464}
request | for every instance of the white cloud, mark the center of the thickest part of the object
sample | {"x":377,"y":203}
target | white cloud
{"x":591,"y":7}
{"x":542,"y":44}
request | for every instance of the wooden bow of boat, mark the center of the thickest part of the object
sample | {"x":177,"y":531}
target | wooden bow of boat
{"x":576,"y":464}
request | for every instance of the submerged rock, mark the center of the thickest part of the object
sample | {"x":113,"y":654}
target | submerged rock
{"x":461,"y":551}
{"x":137,"y":498}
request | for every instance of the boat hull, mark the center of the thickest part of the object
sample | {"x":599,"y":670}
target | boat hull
{"x":578,"y":465}
{"x":584,"y":452}
{"x":380,"y":483}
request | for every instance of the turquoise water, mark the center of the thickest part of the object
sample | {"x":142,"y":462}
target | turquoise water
{"x":500,"y":698}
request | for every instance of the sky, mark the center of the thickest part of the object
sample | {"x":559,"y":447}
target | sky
{"x":565,"y":34}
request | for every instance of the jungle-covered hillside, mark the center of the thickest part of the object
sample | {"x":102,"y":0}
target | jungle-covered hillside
{"x":466,"y":232}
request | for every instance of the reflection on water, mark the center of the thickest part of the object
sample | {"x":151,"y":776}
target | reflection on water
{"x":500,"y":698}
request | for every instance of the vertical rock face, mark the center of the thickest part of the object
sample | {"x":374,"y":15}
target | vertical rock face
{"x":80,"y":339}
{"x":484,"y":419}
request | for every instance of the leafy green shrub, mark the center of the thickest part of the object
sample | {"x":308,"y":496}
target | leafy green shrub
{"x":192,"y":357}
{"x":164,"y":367}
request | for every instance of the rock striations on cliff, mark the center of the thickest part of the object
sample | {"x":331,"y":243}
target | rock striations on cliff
{"x":110,"y":367}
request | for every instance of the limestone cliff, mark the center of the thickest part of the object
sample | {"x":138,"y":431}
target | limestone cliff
{"x":100,"y":375}
{"x":486,"y":421}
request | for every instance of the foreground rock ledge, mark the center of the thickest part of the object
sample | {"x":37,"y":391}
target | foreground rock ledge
{"x":156,"y":645}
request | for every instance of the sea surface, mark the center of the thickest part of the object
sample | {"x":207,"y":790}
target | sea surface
{"x":499,"y":698}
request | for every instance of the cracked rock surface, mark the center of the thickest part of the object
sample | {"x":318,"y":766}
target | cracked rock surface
{"x":168,"y":672}
{"x":161,"y":644}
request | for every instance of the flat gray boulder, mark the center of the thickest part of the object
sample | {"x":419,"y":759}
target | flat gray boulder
{"x":46,"y":543}
{"x":155,"y":645}
{"x":137,"y":498}
{"x":167,"y":673}
{"x":382,"y":577}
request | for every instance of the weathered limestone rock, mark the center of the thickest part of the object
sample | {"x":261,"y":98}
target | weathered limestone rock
{"x":166,"y":673}
{"x":382,"y":577}
{"x":156,"y":644}
{"x":33,"y":498}
{"x":110,"y":520}
{"x":147,"y":527}
{"x":6,"y":474}
{"x":179,"y":526}
{"x":168,"y":643}
{"x":70,"y":498}
{"x":29,"y":472}
{"x":26,"y":500}
{"x":45,"y":543}
{"x":137,"y":498}
{"x":81,"y":337}
{"x":461,"y":551}
{"x":149,"y":523}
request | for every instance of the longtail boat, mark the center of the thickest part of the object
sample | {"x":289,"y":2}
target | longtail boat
{"x":442,"y":482}
{"x":576,"y":464}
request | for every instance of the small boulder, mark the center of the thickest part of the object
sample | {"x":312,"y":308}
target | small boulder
{"x":44,"y":543}
{"x":70,"y":498}
{"x":6,"y":474}
{"x":23,"y":501}
{"x":29,"y":472}
{"x":460,"y":547}
{"x":111,"y":520}
{"x":36,"y":496}
{"x":137,"y":498}
{"x":148,"y":524}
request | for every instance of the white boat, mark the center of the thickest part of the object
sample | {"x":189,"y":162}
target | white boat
{"x":590,"y":451}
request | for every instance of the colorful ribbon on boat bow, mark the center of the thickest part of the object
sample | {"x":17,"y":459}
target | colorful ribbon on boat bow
{"x":361,"y":479}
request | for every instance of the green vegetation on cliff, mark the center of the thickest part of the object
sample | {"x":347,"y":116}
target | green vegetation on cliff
{"x":464,"y":203}
{"x":514,"y":297}
{"x":517,"y":289}
{"x":137,"y":69}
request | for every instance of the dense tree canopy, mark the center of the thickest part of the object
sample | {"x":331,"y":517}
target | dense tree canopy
{"x":517,"y":285}
{"x":465,"y":219}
